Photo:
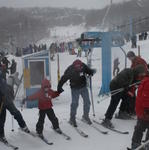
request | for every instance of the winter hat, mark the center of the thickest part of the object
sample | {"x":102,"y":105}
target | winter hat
{"x":131,"y":54}
{"x":78,"y":64}
{"x":46,"y":83}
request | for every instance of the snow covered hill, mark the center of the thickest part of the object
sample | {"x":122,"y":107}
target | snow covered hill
{"x":96,"y":140}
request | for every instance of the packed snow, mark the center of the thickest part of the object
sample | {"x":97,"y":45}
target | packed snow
{"x":96,"y":140}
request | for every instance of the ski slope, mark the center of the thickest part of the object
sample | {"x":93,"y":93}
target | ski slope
{"x":96,"y":140}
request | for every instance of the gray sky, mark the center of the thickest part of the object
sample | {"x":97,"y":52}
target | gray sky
{"x":85,"y":4}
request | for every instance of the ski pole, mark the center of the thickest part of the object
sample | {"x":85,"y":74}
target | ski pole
{"x":17,"y":90}
{"x":92,"y":101}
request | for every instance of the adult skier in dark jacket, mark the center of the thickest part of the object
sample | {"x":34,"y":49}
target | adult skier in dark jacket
{"x":76,"y":74}
{"x":123,"y":80}
{"x":6,"y":102}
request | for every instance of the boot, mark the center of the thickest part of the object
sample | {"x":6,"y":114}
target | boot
{"x":25,"y":129}
{"x":122,"y":115}
{"x":86,"y":119}
{"x":107,"y":123}
{"x":73,"y":122}
{"x":58,"y":130}
{"x":3,"y":139}
{"x":40,"y":135}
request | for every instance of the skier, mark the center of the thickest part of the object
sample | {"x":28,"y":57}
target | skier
{"x":6,"y":102}
{"x":123,"y":80}
{"x":76,"y":73}
{"x":142,"y":111}
{"x":134,"y":41}
{"x":44,"y":97}
{"x":115,"y":66}
{"x":79,"y":52}
{"x":135,"y":61}
{"x":13,"y":66}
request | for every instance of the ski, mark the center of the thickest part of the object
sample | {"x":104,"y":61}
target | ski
{"x":93,"y":126}
{"x":128,"y":148}
{"x":36,"y":135}
{"x":80,"y":132}
{"x":67,"y":137}
{"x":6,"y":143}
{"x":144,"y":146}
{"x":112,"y":129}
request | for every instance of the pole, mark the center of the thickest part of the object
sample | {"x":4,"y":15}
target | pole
{"x":15,"y":94}
{"x":92,"y":100}
{"x":58,"y":68}
{"x":139,"y":51}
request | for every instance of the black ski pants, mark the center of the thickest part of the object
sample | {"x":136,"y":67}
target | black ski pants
{"x":140,"y":127}
{"x":14,"y":112}
{"x":51,"y":116}
{"x":115,"y":99}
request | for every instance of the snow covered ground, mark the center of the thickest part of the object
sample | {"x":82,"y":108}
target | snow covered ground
{"x":96,"y":140}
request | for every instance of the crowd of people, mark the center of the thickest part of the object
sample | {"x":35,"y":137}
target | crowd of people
{"x":122,"y":88}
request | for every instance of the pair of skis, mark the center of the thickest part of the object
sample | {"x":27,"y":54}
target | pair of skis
{"x":112,"y":129}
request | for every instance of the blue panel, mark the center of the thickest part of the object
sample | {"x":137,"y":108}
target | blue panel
{"x":88,"y":35}
{"x":31,"y":104}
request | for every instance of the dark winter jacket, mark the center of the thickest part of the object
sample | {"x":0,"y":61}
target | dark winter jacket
{"x":76,"y":74}
{"x":126,"y":77}
{"x":44,"y":98}
{"x":13,"y":67}
{"x":5,"y":91}
{"x":142,"y":100}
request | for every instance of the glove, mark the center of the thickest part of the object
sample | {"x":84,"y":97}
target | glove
{"x":130,"y":94}
{"x":23,"y":101}
{"x":93,"y":71}
{"x":60,"y":90}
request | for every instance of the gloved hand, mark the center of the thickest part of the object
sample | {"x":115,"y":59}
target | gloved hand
{"x":60,"y":90}
{"x":23,"y":101}
{"x":93,"y":71}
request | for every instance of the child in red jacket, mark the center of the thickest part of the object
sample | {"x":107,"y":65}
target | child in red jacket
{"x":44,"y":97}
{"x":142,"y":112}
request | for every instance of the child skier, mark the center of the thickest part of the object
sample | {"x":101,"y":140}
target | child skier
{"x":44,"y":97}
{"x":142,"y":112}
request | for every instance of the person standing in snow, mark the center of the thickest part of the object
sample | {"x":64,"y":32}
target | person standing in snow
{"x":76,"y":74}
{"x":123,"y":80}
{"x":13,"y":67}
{"x":6,"y":103}
{"x":142,"y":112}
{"x":115,"y":67}
{"x":44,"y":97}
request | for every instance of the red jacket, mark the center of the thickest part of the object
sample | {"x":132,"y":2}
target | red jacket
{"x":142,"y":99}
{"x":44,"y":100}
{"x":137,"y":61}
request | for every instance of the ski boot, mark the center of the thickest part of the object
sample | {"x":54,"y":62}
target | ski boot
{"x":73,"y":122}
{"x":107,"y":123}
{"x":58,"y":130}
{"x":86,"y":119}
{"x":25,"y":129}
{"x":3,"y":139}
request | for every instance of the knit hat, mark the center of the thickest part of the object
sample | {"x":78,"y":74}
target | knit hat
{"x":131,"y":54}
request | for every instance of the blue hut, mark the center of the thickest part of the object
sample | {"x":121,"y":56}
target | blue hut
{"x":36,"y":67}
